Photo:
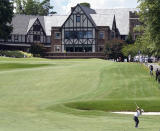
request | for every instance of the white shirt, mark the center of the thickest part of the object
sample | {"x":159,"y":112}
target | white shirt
{"x":137,"y":114}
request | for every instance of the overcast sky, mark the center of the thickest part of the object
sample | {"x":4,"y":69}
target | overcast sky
{"x":63,"y":6}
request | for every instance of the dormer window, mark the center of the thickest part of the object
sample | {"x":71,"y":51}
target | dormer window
{"x":78,"y":18}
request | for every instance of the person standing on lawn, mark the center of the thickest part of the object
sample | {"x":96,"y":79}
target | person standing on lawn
{"x":157,"y":74}
{"x":136,"y":116}
{"x":151,"y":70}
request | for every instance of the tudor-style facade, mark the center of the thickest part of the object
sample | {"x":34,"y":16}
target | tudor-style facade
{"x":78,"y":32}
{"x":84,"y":30}
{"x":36,"y":33}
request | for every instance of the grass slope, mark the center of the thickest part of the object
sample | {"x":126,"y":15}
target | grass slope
{"x":74,"y":95}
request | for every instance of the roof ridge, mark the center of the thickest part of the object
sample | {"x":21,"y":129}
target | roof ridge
{"x":103,"y":14}
{"x":115,"y":8}
{"x":56,"y":15}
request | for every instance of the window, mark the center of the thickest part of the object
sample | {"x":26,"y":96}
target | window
{"x":9,"y":37}
{"x":123,"y":37}
{"x":16,"y":37}
{"x":78,"y":18}
{"x":113,"y":34}
{"x":89,"y":34}
{"x":36,"y":38}
{"x":78,"y":34}
{"x":57,"y":35}
{"x":101,"y":35}
{"x":36,"y":27}
{"x":67,"y":35}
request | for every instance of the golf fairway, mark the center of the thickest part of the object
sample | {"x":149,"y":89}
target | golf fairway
{"x":75,"y":95}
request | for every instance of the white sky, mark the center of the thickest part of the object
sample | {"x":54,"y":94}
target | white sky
{"x":64,"y":6}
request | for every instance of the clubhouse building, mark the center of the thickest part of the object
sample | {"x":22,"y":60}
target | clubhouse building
{"x":84,"y":32}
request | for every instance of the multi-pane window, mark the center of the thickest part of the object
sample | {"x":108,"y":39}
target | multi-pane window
{"x":36,"y":37}
{"x":57,"y":35}
{"x":101,"y":35}
{"x":36,"y":27}
{"x":67,"y":35}
{"x":89,"y":34}
{"x":78,"y":34}
{"x":78,"y":18}
{"x":9,"y":37}
{"x":15,"y":37}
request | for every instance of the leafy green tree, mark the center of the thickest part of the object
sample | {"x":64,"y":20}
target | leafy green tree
{"x":31,"y":7}
{"x":86,"y":4}
{"x":130,"y":39}
{"x":150,"y":17}
{"x":37,"y":49}
{"x":34,"y":7}
{"x":19,"y":6}
{"x":130,"y":49}
{"x":6,"y":14}
{"x":113,"y":49}
{"x":45,"y":7}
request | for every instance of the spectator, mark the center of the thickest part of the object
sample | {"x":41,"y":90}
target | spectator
{"x":157,"y":74}
{"x":151,"y":70}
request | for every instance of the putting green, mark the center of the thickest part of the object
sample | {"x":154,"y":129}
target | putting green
{"x":75,"y":95}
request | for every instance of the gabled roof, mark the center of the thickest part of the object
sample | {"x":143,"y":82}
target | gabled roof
{"x":55,"y":20}
{"x":98,"y":17}
{"x":31,"y":22}
{"x":121,"y":16}
{"x":22,"y":23}
{"x":88,"y":12}
{"x":103,"y":19}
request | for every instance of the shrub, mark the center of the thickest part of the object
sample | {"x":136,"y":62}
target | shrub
{"x":26,"y":55}
{"x":37,"y":50}
{"x":15,"y":54}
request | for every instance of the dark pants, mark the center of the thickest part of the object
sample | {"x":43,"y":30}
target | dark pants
{"x":136,"y":121}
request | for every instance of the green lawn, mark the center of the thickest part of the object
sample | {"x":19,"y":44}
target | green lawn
{"x":75,"y":95}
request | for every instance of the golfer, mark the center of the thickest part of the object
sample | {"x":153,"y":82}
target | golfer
{"x":136,"y":115}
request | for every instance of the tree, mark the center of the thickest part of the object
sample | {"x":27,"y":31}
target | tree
{"x":86,"y":4}
{"x":19,"y":6}
{"x":45,"y":7}
{"x":37,"y":49}
{"x":130,"y":49}
{"x":150,"y":17}
{"x":113,"y":49}
{"x":6,"y":14}
{"x":34,"y":7}
{"x":31,"y":7}
{"x":130,"y":39}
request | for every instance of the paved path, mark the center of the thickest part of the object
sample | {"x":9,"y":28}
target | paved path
{"x":145,"y":113}
{"x":155,"y":66}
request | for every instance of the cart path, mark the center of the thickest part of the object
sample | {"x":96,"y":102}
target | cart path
{"x":155,"y":66}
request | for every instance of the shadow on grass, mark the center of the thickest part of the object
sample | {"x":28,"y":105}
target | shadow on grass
{"x":11,"y":66}
{"x":101,"y":107}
